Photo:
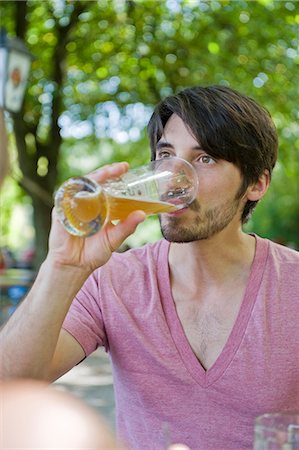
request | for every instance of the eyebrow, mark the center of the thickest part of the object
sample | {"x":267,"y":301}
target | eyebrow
{"x":165,"y":144}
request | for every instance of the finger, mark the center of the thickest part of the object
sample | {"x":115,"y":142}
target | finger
{"x":109,"y":171}
{"x":54,"y":215}
{"x":55,"y":218}
{"x":57,"y":226}
{"x":118,"y":233}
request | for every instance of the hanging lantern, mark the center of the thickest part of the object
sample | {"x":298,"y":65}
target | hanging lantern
{"x":15,"y":62}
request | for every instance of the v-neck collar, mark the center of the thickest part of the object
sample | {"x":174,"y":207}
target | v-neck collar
{"x":207,"y":377}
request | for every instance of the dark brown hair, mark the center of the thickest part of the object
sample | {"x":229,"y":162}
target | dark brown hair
{"x":228,"y":125}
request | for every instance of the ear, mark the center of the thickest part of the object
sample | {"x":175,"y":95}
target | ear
{"x":257,"y":190}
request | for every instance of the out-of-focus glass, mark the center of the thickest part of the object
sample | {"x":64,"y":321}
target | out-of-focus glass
{"x":277,"y":431}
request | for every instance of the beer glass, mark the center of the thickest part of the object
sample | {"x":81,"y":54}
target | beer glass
{"x":162,"y":186}
{"x":277,"y":431}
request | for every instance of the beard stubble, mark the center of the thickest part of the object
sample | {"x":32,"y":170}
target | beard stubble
{"x":204,"y":225}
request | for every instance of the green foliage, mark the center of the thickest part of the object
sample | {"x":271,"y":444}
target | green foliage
{"x":123,"y":56}
{"x":12,"y":193}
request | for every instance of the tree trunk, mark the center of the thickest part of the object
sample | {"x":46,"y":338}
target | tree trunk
{"x":41,"y":189}
{"x":42,"y":223}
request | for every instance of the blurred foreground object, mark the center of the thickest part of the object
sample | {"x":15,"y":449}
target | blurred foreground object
{"x":178,"y":447}
{"x":37,"y":416}
{"x":277,"y":431}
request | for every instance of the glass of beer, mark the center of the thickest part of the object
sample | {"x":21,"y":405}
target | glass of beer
{"x":162,"y":186}
{"x":277,"y":431}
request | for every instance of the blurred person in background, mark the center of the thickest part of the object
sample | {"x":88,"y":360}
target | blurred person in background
{"x":36,"y":416}
{"x":201,"y":326}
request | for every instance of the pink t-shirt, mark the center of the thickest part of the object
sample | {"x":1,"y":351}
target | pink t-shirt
{"x":163,"y":394}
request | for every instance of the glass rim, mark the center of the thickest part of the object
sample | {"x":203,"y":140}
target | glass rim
{"x":179,"y":159}
{"x":278,"y":414}
{"x":267,"y":421}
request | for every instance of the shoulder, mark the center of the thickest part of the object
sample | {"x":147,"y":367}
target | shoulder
{"x":279,"y":269}
{"x":284,"y":254}
{"x":136,"y":260}
{"x":141,"y":254}
{"x":281,"y":262}
{"x":131,"y":278}
{"x":277,"y":251}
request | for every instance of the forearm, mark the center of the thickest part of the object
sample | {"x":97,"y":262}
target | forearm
{"x":29,"y":339}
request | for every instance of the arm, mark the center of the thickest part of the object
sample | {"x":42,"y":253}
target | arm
{"x":32,"y":343}
{"x":29,"y":339}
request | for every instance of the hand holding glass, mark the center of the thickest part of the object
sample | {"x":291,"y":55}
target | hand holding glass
{"x":164,"y":185}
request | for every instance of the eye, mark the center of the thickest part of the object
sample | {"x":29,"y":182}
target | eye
{"x":164,"y":154}
{"x":206,"y":159}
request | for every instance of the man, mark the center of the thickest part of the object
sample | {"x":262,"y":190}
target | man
{"x":201,"y":326}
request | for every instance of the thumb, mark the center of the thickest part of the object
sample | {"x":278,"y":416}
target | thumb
{"x":118,"y":233}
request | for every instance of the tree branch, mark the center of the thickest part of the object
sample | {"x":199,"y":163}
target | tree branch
{"x":33,"y":189}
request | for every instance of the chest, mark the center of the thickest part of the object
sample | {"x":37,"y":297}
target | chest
{"x":207,"y":324}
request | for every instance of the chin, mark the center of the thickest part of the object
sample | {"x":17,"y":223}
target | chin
{"x":175,"y":232}
{"x":181,"y":235}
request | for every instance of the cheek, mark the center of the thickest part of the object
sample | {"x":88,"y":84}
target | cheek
{"x":211,"y":189}
{"x":219,"y":187}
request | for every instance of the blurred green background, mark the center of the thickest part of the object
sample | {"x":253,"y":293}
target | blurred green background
{"x":101,"y":66}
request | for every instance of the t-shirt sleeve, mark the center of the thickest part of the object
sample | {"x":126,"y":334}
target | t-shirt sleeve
{"x":84,"y":319}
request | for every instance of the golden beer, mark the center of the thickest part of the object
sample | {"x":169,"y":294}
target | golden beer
{"x":85,"y":207}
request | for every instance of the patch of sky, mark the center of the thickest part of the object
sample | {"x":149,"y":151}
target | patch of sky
{"x":49,"y":24}
{"x":74,"y":128}
{"x":119,"y":6}
{"x":121,"y":125}
{"x":64,"y":21}
{"x":244,"y":17}
{"x":290,"y":6}
{"x":291,"y":130}
{"x":174,"y":6}
{"x":45,"y":98}
{"x":58,"y":7}
{"x":260,"y":80}
{"x":203,"y":6}
{"x":49,"y":87}
{"x":86,"y":87}
{"x":168,"y":28}
{"x":291,"y":53}
{"x":110,"y":86}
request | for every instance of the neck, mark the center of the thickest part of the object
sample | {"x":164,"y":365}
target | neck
{"x":215,"y":260}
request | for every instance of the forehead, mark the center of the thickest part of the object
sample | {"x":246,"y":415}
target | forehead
{"x":176,"y":129}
